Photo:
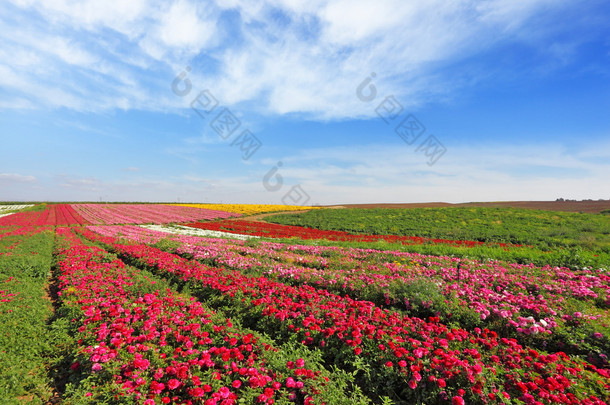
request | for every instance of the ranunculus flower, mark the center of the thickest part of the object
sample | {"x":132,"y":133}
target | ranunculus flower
{"x":173,"y":384}
{"x":457,"y":400}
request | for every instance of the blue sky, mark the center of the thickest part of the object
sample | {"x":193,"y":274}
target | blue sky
{"x":305,"y":102}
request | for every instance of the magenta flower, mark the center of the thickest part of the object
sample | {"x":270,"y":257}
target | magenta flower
{"x":173,"y":384}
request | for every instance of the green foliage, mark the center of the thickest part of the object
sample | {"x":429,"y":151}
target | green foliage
{"x":23,"y":272}
{"x":35,"y":208}
{"x":167,"y":244}
{"x":555,"y":238}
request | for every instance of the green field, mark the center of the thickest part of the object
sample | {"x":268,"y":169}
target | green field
{"x":572,"y":238}
{"x":25,"y":263}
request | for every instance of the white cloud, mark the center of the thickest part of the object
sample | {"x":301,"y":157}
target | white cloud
{"x":95,"y":55}
{"x":69,"y":52}
{"x":374,"y":173}
{"x":16,"y":178}
{"x":182,"y":26}
{"x":359,"y":174}
{"x":93,"y":14}
{"x":90,"y":183}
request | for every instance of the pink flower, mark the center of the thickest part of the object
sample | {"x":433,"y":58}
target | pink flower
{"x":236,"y":384}
{"x":173,"y":384}
{"x":224,"y":392}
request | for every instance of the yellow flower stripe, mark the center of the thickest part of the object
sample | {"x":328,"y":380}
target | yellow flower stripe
{"x":249,"y":209}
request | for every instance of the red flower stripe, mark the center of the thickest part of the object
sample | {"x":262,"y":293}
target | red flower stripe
{"x":269,"y":230}
{"x":52,"y":215}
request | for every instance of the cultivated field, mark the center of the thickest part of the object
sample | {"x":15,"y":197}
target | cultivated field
{"x":126,"y":303}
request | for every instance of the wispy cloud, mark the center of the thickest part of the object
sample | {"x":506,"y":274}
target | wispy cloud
{"x":367,"y":173}
{"x":90,"y":183}
{"x":16,"y":178}
{"x":282,"y":57}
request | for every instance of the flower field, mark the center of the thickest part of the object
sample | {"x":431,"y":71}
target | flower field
{"x":550,"y":237}
{"x":250,"y":209}
{"x":145,"y":213}
{"x":269,"y":230}
{"x":149,"y":317}
{"x":52,"y":215}
{"x":523,"y":301}
{"x":454,"y":363}
{"x":158,"y":347}
{"x":8,"y":208}
{"x":189,"y":231}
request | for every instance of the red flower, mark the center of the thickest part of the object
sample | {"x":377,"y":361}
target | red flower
{"x":457,"y":400}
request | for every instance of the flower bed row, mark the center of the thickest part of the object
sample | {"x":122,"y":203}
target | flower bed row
{"x":12,"y":207}
{"x":528,"y":299}
{"x":6,"y":232}
{"x":145,"y":213}
{"x":157,"y":347}
{"x":269,"y":230}
{"x":30,"y":218}
{"x":250,"y":209}
{"x":52,"y":215}
{"x":407,"y":358}
{"x":66,"y":215}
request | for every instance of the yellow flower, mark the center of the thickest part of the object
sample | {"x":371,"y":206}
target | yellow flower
{"x":249,"y":209}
